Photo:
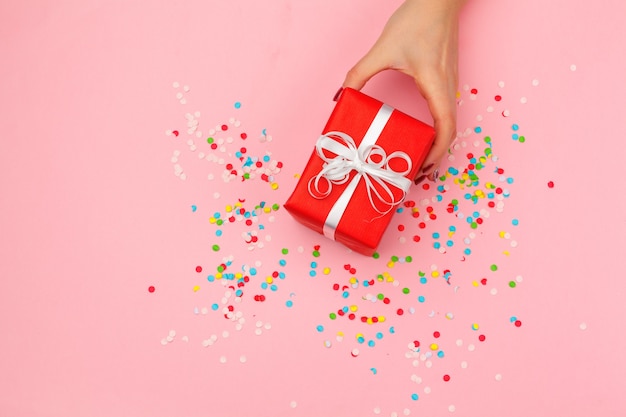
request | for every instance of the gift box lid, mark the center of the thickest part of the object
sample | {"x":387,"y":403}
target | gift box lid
{"x":361,"y":226}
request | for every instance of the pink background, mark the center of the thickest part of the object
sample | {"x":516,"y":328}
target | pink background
{"x":94,"y":212}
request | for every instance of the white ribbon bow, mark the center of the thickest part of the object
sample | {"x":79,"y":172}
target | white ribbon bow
{"x":371,"y":163}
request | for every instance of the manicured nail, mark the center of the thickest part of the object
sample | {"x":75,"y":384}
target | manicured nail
{"x":436,"y":175}
{"x":419,"y":179}
{"x":427,"y":167}
{"x":337,"y":94}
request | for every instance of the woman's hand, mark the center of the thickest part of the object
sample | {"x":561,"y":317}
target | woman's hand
{"x":421,"y":40}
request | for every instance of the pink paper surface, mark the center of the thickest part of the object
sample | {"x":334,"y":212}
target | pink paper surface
{"x":101,"y":201}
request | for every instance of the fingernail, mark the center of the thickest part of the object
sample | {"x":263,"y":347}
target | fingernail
{"x":427,"y":167}
{"x":435,"y":175}
{"x":337,"y":94}
{"x":419,"y":179}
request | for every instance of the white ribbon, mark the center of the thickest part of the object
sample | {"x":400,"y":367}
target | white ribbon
{"x":371,"y":163}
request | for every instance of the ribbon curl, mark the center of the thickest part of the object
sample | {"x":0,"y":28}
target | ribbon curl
{"x":371,"y":163}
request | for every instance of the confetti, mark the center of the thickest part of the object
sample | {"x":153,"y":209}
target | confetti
{"x":437,"y":233}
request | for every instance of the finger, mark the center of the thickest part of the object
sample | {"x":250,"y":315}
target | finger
{"x":443,"y":109}
{"x":443,"y":139}
{"x":364,"y":70}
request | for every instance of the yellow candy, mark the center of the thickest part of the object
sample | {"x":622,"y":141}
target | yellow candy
{"x":354,"y":308}
{"x":196,"y":288}
{"x":269,"y":280}
{"x":502,"y":234}
{"x":435,"y":274}
{"x":326,"y":271}
{"x":475,"y":326}
{"x":370,"y":321}
{"x":390,"y":264}
{"x":353,"y":280}
{"x":229,"y":208}
{"x":475,"y":283}
{"x":381,"y":319}
{"x":434,"y":346}
{"x":274,"y":186}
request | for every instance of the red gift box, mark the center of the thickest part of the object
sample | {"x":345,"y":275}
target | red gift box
{"x":362,"y":167}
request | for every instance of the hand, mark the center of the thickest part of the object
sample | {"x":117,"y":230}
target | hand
{"x":421,"y":40}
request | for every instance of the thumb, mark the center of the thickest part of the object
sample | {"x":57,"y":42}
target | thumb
{"x":360,"y":74}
